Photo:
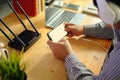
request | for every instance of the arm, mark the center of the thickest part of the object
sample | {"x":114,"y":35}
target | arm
{"x":76,"y":70}
{"x":99,"y":30}
{"x":63,"y":51}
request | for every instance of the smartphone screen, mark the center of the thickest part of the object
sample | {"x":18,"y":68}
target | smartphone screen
{"x":57,"y":33}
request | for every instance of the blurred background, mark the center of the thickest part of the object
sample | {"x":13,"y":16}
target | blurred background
{"x":4,"y":9}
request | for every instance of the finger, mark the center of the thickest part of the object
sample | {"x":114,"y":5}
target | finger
{"x":50,"y":42}
{"x":51,"y":45}
{"x":66,"y":42}
{"x":70,"y":35}
{"x":68,"y":24}
{"x":62,"y":40}
{"x":69,"y":28}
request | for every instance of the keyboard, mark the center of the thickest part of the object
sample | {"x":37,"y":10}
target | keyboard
{"x":51,"y":11}
{"x":56,"y":16}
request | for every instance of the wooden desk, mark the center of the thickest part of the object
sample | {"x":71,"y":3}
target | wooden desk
{"x":41,"y":63}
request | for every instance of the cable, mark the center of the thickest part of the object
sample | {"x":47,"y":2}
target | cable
{"x":95,"y":43}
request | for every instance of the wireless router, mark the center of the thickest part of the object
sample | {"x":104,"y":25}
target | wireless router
{"x":26,"y":38}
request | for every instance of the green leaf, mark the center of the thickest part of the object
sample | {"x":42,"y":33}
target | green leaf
{"x":10,"y":69}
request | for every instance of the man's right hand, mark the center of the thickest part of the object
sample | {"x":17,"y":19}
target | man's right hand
{"x":73,"y":30}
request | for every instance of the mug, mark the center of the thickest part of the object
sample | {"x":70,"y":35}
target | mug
{"x":4,"y":53}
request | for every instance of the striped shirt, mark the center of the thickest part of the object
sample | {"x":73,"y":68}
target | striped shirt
{"x":111,"y":69}
{"x":99,"y":30}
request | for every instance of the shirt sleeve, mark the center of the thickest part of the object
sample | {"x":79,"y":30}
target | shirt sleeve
{"x":76,"y":70}
{"x":99,"y":30}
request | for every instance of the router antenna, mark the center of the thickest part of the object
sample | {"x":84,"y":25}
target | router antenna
{"x":26,"y":16}
{"x":16,"y":14}
{"x":6,"y":35}
{"x":12,"y":32}
{"x":26,"y":38}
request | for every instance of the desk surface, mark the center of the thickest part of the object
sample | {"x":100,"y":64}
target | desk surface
{"x":41,"y":63}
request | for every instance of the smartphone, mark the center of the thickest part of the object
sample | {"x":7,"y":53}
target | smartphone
{"x":57,"y":33}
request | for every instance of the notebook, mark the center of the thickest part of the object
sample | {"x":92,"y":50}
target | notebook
{"x":56,"y":16}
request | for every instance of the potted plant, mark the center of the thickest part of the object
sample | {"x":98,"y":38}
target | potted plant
{"x":11,"y":69}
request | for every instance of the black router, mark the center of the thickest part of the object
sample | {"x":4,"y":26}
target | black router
{"x":26,"y":38}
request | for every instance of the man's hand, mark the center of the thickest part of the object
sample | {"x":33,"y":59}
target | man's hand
{"x":73,"y":30}
{"x":60,"y":49}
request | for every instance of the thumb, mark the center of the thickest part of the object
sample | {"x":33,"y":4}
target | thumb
{"x":49,"y":42}
{"x":64,"y":40}
{"x":68,"y":24}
